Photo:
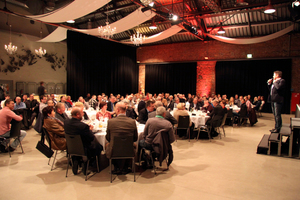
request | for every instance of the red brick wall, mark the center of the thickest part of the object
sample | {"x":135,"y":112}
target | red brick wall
{"x":287,"y":46}
{"x":206,"y":84}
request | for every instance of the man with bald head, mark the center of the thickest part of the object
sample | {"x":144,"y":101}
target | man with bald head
{"x":74,"y":126}
{"x":116,"y":127}
{"x":19,"y":104}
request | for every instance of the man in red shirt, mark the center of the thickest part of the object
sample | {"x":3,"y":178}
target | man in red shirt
{"x":6,"y":115}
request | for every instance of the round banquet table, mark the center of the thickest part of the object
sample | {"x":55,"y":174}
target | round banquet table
{"x":197,"y":117}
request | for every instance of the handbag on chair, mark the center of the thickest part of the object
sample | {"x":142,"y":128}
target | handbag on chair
{"x":44,"y":149}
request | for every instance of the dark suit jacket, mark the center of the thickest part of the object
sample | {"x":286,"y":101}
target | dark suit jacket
{"x":41,"y":90}
{"x":277,"y":92}
{"x":143,"y":116}
{"x":171,"y":105}
{"x":216,"y":115}
{"x":109,"y":106}
{"x":168,"y":117}
{"x":120,"y":126}
{"x":32,"y":104}
{"x":131,"y":113}
{"x":62,"y":117}
{"x":192,"y":106}
{"x":74,"y":126}
{"x":243,"y":111}
{"x":141,"y":105}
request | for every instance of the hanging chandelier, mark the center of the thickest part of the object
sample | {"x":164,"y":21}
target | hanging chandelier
{"x":137,"y":39}
{"x":107,"y":32}
{"x":40,"y":52}
{"x":11,"y":49}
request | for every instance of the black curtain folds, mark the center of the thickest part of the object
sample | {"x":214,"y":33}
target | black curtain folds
{"x":95,"y":65}
{"x":250,"y":77}
{"x":171,"y":78}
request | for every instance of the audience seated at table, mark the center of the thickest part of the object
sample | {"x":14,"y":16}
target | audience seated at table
{"x":80,"y":105}
{"x":64,"y":101}
{"x":69,"y":102}
{"x":19,"y":104}
{"x":33,"y":108}
{"x":120,"y":126}
{"x":43,"y":103}
{"x":55,"y":128}
{"x":6,"y":115}
{"x":60,"y":112}
{"x":85,"y":104}
{"x":194,"y":105}
{"x":153,"y":126}
{"x":143,"y":114}
{"x":103,"y":113}
{"x":2,"y":102}
{"x":168,"y":115}
{"x":142,"y":104}
{"x":74,"y":126}
{"x":174,"y":104}
{"x":181,"y":112}
{"x":53,"y":99}
{"x":207,"y":107}
{"x":216,"y":117}
{"x":129,"y":110}
{"x":242,"y":112}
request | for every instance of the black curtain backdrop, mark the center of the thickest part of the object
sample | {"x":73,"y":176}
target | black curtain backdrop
{"x":95,"y":65}
{"x":171,"y":78}
{"x":250,"y":77}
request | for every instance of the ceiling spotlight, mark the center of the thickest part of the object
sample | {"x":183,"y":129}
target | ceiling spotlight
{"x":173,"y":17}
{"x":71,"y":21}
{"x":221,"y":30}
{"x":241,"y":3}
{"x":191,"y":29}
{"x":151,"y":4}
{"x":269,"y":9}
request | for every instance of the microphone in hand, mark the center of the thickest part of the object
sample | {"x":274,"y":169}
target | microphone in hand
{"x":270,"y":81}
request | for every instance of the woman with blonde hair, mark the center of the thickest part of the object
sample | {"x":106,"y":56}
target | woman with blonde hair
{"x":181,"y":112}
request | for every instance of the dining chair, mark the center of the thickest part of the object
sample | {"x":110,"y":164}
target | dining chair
{"x":122,"y":149}
{"x":15,"y":132}
{"x":75,"y":148}
{"x":184,"y":123}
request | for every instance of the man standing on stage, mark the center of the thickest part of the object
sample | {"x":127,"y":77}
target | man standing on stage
{"x":277,"y":86}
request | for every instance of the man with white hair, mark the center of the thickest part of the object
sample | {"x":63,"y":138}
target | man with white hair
{"x":153,"y":126}
{"x":168,"y":116}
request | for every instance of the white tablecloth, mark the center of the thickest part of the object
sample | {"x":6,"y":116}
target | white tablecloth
{"x":101,"y":133}
{"x":198,"y":118}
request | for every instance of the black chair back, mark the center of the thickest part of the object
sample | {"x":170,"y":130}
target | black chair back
{"x":229,"y":113}
{"x":75,"y":145}
{"x":183,"y":122}
{"x":224,"y":119}
{"x":123,"y":147}
{"x":15,"y":130}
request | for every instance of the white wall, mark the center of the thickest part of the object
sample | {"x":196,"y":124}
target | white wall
{"x":41,"y":70}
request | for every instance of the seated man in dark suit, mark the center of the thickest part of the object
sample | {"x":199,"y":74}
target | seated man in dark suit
{"x":142,"y":104}
{"x":168,"y":116}
{"x":129,"y":110}
{"x":111,"y":106}
{"x":120,"y":126}
{"x":216,"y":117}
{"x":143,"y":114}
{"x":174,"y":104}
{"x":242,"y":113}
{"x":74,"y":126}
{"x":60,"y":112}
{"x":207,"y":107}
{"x":195,"y":105}
{"x":33,"y":108}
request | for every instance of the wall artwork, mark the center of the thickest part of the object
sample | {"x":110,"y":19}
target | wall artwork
{"x":26,"y":57}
